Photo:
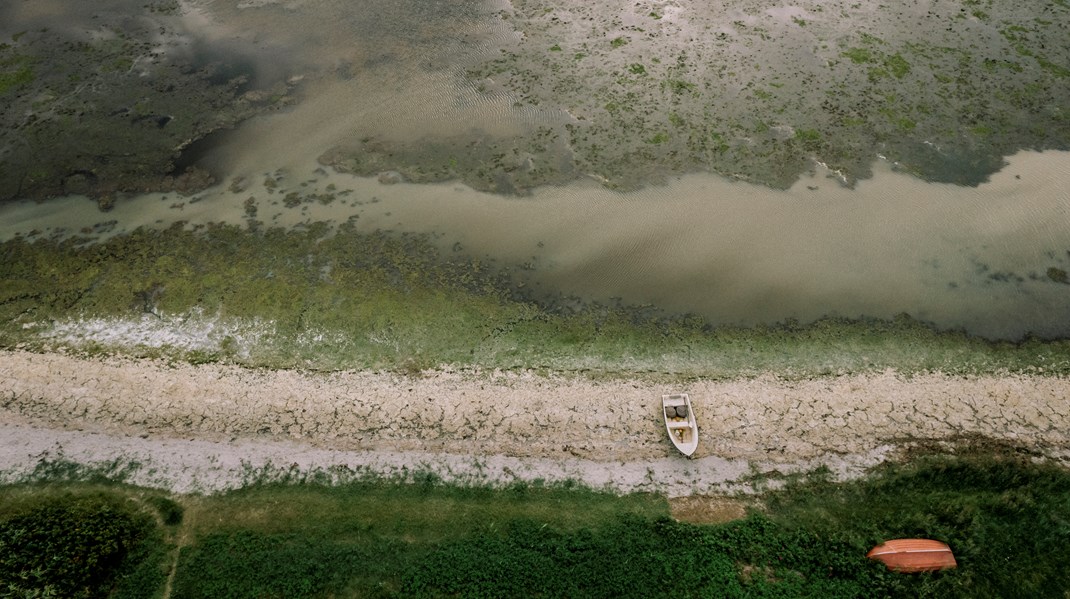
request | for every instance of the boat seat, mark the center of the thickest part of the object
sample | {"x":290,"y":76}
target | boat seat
{"x":684,"y":424}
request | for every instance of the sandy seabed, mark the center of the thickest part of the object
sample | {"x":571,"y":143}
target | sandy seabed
{"x":206,"y":428}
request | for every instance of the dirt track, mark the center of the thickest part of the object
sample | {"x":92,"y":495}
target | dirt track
{"x":568,"y":425}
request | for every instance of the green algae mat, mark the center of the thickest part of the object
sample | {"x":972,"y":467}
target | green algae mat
{"x":331,"y":299}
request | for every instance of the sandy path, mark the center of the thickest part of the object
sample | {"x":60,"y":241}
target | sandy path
{"x":549,"y":427}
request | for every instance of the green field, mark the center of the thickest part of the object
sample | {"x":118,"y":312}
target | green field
{"x":1007,"y":519}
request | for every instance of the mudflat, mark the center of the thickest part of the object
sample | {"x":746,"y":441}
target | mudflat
{"x":551,"y":425}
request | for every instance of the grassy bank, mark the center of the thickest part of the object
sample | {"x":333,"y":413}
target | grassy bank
{"x":1003,"y":515}
{"x":336,"y":300}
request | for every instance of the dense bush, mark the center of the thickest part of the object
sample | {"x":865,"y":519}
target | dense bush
{"x":79,"y":547}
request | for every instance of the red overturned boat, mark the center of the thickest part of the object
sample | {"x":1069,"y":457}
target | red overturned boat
{"x":914,"y":555}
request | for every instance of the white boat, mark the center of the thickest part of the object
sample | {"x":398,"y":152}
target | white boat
{"x":680,"y":422}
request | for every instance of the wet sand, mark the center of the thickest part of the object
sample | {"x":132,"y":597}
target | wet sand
{"x":207,"y":427}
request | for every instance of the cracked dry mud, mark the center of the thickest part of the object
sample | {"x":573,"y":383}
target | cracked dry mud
{"x":601,"y":432}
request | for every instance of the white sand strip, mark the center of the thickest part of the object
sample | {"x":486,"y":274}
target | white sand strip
{"x":199,"y":466}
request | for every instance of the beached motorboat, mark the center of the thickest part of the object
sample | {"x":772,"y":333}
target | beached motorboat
{"x":914,"y":555}
{"x":680,"y":422}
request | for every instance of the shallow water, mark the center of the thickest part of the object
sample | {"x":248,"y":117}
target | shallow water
{"x":986,"y":259}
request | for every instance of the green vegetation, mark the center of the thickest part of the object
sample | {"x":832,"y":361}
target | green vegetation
{"x":1020,"y":38}
{"x":859,"y":55}
{"x":1003,"y":515}
{"x":658,"y":138}
{"x":79,"y":543}
{"x":368,"y":539}
{"x":897,"y":65}
{"x":949,"y":69}
{"x":678,"y":86}
{"x":354,"y":300}
{"x":950,"y":74}
{"x":252,"y":565}
{"x":893,"y":65}
{"x":651,"y":558}
{"x":810,"y":138}
{"x":15,"y":69}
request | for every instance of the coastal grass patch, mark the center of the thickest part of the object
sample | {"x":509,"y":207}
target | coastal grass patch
{"x":1003,"y":513}
{"x":943,"y":65}
{"x":361,"y":539}
{"x":382,"y":539}
{"x":1005,"y":516}
{"x":333,"y":299}
{"x":427,"y":511}
{"x":645,"y":558}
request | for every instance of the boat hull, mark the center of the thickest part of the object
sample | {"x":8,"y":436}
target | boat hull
{"x":680,"y":422}
{"x":914,"y":555}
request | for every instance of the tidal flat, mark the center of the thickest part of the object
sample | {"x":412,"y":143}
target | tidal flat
{"x":509,"y":96}
{"x":755,"y":91}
